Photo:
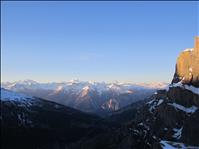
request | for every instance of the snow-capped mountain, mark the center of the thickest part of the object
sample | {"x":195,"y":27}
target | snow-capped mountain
{"x":78,"y":86}
{"x":97,"y":97}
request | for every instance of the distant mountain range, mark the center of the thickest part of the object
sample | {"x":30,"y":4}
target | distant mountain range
{"x":94,"y":97}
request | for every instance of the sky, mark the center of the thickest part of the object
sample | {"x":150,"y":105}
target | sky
{"x":97,"y":41}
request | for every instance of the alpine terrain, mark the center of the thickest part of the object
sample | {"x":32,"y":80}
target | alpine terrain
{"x":168,"y":119}
{"x":93,"y":97}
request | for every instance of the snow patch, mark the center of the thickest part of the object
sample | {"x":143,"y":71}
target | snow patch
{"x":160,"y":102}
{"x":165,"y":129}
{"x":191,"y":109}
{"x":175,"y":145}
{"x":154,"y":103}
{"x":189,"y":50}
{"x":177,"y":133}
{"x":188,"y":87}
{"x":150,"y":102}
{"x":166,"y":145}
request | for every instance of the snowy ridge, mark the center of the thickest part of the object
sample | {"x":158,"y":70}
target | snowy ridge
{"x":9,"y":95}
{"x":153,"y":104}
{"x":77,"y":86}
{"x":184,"y":86}
{"x":191,"y":109}
{"x":176,"y":145}
{"x":188,"y":50}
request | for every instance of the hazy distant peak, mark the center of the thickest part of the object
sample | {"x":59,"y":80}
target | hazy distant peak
{"x":74,"y":81}
{"x":79,"y":85}
{"x":27,"y":82}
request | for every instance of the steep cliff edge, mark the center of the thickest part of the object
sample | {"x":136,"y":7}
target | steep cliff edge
{"x":187,"y":66}
{"x":184,"y":89}
{"x":171,"y":117}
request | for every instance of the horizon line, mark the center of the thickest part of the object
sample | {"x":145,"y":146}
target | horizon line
{"x":81,"y":80}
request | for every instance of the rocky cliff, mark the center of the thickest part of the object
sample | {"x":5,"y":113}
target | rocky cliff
{"x":187,"y":66}
{"x":172,"y":115}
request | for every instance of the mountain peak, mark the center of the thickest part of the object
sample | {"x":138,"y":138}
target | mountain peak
{"x":27,"y":82}
{"x":74,"y":81}
{"x":187,"y":66}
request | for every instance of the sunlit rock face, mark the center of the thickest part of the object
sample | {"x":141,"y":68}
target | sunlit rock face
{"x":187,"y":66}
{"x":173,"y":114}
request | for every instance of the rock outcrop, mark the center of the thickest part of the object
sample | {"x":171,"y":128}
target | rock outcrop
{"x":187,"y":66}
{"x":171,"y":116}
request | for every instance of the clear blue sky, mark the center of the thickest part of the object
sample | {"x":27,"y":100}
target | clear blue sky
{"x":101,"y":41}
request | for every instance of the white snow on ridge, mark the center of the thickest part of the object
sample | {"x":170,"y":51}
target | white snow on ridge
{"x":176,"y":145}
{"x":188,"y":87}
{"x":192,"y":88}
{"x":153,"y":104}
{"x":166,"y":145}
{"x":160,"y":102}
{"x":189,"y":50}
{"x":191,"y":109}
{"x":151,"y":101}
{"x":76,"y":86}
{"x":177,"y":133}
{"x":9,"y":95}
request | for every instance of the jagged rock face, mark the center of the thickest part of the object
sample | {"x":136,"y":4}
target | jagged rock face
{"x":183,"y":96}
{"x":187,"y":67}
{"x":187,"y":73}
{"x":169,"y":119}
{"x":173,"y":114}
